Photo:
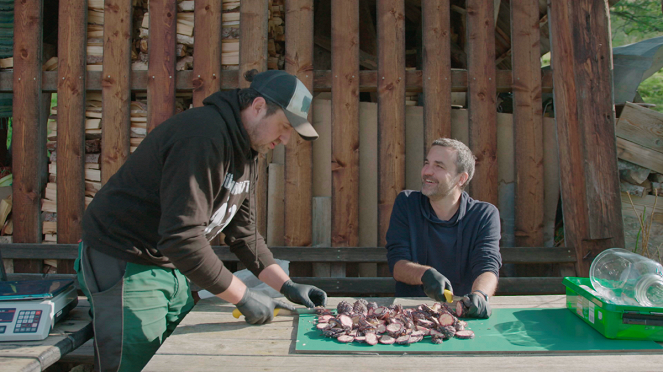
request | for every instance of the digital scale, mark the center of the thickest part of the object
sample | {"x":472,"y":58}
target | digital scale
{"x":30,"y":308}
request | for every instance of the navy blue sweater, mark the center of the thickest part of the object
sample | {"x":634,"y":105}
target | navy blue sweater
{"x":461,"y":248}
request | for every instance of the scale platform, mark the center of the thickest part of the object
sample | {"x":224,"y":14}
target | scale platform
{"x":30,"y":308}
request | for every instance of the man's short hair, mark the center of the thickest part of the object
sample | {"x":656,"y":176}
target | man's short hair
{"x":248,"y":95}
{"x":465,"y":160}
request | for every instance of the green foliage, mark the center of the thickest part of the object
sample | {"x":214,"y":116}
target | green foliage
{"x":635,"y":20}
{"x":651,"y":90}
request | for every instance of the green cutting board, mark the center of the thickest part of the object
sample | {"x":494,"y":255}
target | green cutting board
{"x":507,"y":331}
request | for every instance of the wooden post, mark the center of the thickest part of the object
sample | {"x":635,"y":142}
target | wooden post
{"x":481,"y":91}
{"x":528,"y":123}
{"x":206,"y":49}
{"x":116,"y":87}
{"x":321,"y":232}
{"x":275,"y":197}
{"x":436,"y":77}
{"x":298,"y":153}
{"x":253,"y":55}
{"x":28,"y":128}
{"x":161,"y":63}
{"x":72,"y":39}
{"x":584,"y":114}
{"x":391,"y":108}
{"x":345,"y":123}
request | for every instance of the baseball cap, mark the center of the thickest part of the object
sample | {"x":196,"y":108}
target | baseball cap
{"x":291,"y":95}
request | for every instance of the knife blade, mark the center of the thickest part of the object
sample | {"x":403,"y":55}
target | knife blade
{"x":286,"y":312}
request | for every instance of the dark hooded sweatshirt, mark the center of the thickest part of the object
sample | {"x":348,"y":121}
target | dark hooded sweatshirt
{"x":461,"y":248}
{"x":190,"y":178}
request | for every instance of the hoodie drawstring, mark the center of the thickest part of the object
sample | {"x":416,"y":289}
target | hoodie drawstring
{"x":252,"y":208}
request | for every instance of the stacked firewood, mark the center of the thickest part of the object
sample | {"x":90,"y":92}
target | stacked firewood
{"x":276,"y":35}
{"x":95,"y":35}
{"x":185,"y":36}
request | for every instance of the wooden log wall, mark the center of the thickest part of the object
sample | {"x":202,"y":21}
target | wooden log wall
{"x":302,"y":212}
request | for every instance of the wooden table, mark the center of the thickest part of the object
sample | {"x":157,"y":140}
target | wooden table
{"x":210,"y":339}
{"x":66,"y":336}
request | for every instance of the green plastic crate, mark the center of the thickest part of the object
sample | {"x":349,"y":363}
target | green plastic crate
{"x":622,"y":322}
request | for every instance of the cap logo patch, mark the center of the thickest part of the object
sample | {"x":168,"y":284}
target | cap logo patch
{"x":306,"y":103}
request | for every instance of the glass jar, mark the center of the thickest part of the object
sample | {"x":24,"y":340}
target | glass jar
{"x":626,"y":278}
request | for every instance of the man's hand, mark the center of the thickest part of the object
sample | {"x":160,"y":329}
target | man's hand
{"x":258,"y":308}
{"x":478,"y":306}
{"x":435,"y":284}
{"x":303,"y":294}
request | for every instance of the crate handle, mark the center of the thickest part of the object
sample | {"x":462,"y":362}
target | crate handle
{"x":643,"y":319}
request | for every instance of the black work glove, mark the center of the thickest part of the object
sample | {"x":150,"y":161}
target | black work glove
{"x":258,"y":308}
{"x":478,"y":306}
{"x":435,"y":284}
{"x":303,"y":294}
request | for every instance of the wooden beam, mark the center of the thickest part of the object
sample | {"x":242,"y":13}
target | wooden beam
{"x":298,"y":153}
{"x":301,"y":254}
{"x":206,"y":50}
{"x":528,"y":123}
{"x":161,"y":62}
{"x":481,"y":98}
{"x":436,"y":70}
{"x":253,"y":55}
{"x":72,"y":39}
{"x":345,"y":123}
{"x":581,"y":59}
{"x":116,"y":87}
{"x":322,"y":80}
{"x":29,"y":129}
{"x":391,"y":108}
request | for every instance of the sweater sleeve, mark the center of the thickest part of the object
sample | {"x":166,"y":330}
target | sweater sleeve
{"x":191,"y":176}
{"x":486,"y":255}
{"x":398,"y":234}
{"x":245,"y":242}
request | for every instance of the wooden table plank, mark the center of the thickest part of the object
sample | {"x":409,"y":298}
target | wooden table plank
{"x":19,"y":364}
{"x":481,"y":98}
{"x":527,"y":122}
{"x":391,"y":109}
{"x":161,"y":62}
{"x":298,"y":153}
{"x":345,"y":123}
{"x":71,"y":124}
{"x":209,"y":337}
{"x":116,"y":87}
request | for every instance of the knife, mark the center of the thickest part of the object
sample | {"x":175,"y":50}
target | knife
{"x":277,"y":311}
{"x":450,"y":297}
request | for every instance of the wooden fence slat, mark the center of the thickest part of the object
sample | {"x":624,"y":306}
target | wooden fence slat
{"x":161,"y":62}
{"x":206,"y":49}
{"x":345,"y":123}
{"x":580,"y":82}
{"x":72,"y":38}
{"x":298,"y":153}
{"x":116,"y":87}
{"x":481,"y":98}
{"x":27,"y":165}
{"x":528,"y":123}
{"x":391,"y":108}
{"x":322,"y":79}
{"x":253,"y":55}
{"x":436,"y":69}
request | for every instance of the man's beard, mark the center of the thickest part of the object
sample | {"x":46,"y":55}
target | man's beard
{"x":437,"y":192}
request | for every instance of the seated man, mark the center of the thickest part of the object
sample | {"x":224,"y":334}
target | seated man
{"x":440,"y":238}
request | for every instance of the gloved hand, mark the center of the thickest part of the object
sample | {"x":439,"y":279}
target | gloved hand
{"x":258,"y":308}
{"x":478,"y":306}
{"x":303,"y":294}
{"x":435,"y":284}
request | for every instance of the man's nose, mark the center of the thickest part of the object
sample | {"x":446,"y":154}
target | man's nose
{"x":426,"y":170}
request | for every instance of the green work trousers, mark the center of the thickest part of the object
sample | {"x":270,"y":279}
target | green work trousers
{"x":134,"y":307}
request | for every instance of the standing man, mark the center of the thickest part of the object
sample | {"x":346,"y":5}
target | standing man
{"x":148,"y":229}
{"x":440,"y":238}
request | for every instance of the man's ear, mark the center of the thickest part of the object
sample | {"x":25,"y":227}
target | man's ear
{"x":258,"y":104}
{"x":463,"y":179}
